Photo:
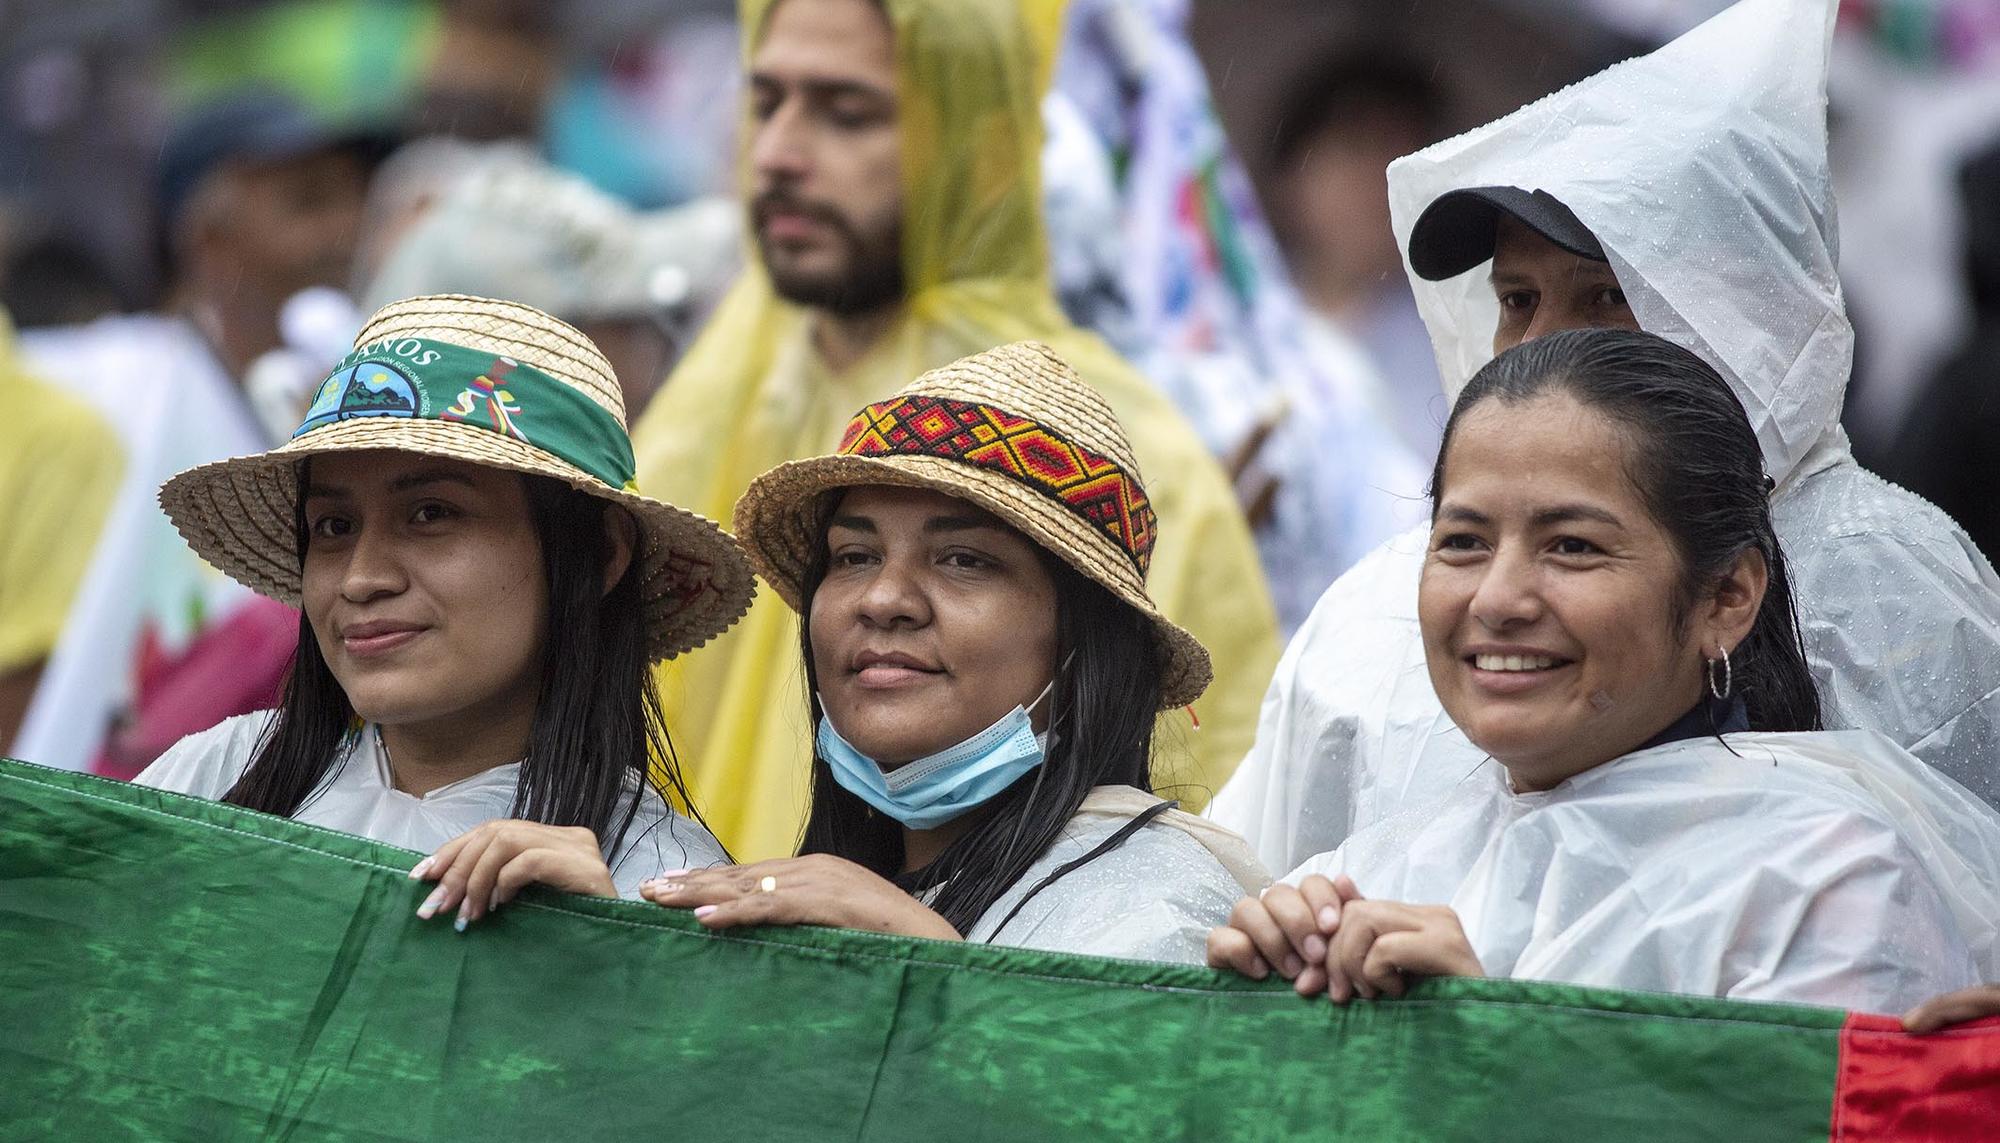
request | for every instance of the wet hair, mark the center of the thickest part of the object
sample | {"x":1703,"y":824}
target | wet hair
{"x":597,"y":726}
{"x":1101,"y":715}
{"x":1696,"y":464}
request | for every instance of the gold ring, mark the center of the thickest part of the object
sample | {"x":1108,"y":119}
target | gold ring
{"x":768,"y":885}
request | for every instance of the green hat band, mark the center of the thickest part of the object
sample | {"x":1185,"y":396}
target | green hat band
{"x":436,"y":381}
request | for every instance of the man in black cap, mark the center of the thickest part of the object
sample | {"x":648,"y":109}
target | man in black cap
{"x":1549,"y":270}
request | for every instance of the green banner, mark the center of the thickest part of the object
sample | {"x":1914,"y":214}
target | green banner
{"x":172,"y":968}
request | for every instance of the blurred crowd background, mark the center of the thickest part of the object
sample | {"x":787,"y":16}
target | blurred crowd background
{"x":637,"y":98}
{"x":239,"y":181}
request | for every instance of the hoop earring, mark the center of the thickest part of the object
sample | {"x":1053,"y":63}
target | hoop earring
{"x":1728,"y":677}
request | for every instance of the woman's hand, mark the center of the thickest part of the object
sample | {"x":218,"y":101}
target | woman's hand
{"x":818,"y":889}
{"x":1382,"y":943}
{"x":1286,"y":928}
{"x":481,"y":870}
{"x":1953,"y":1008}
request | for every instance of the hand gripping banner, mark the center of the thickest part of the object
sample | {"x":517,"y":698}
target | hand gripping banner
{"x":177,"y":969}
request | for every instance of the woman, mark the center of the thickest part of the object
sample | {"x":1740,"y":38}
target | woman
{"x":984,"y":670}
{"x":483,"y":592}
{"x":1605,"y":612}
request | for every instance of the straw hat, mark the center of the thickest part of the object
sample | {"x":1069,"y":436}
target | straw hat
{"x":487,"y":382}
{"x":1014,"y":431}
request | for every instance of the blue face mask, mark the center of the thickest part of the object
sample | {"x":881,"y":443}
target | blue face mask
{"x":936,"y":788}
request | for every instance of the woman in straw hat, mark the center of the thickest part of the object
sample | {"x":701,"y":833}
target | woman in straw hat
{"x":483,"y":593}
{"x":985,"y":668}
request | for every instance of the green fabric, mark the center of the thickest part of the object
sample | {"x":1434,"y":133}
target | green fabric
{"x":437,"y":381}
{"x":178,"y":969}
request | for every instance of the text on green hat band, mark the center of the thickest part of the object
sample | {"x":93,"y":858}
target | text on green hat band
{"x":429,"y":380}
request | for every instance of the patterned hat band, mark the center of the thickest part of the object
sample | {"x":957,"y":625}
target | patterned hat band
{"x":426,"y":379}
{"x":1093,"y":487}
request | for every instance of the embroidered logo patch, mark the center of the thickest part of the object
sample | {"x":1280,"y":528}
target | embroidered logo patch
{"x":368,"y":389}
{"x":485,"y":396}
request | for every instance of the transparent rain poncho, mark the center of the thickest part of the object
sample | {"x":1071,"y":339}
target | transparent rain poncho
{"x":1829,"y":868}
{"x":1702,"y":170}
{"x":752,"y":393}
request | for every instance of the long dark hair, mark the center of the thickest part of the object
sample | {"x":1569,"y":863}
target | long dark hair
{"x":1697,"y":466}
{"x":1101,"y":715}
{"x":597,"y":726}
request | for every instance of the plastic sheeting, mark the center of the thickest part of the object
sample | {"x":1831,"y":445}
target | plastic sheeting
{"x":59,"y":467}
{"x":1702,"y":170}
{"x":1828,"y":868}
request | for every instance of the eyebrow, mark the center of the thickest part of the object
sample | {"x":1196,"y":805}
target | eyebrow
{"x":932,"y":526}
{"x":824,"y":89}
{"x":422,"y":478}
{"x":1542,"y":517}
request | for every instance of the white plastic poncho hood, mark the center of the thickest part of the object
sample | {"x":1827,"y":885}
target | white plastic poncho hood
{"x":1718,"y":217}
{"x":1702,"y":171}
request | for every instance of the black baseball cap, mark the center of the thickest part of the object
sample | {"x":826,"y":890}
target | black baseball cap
{"x":1458,"y":230}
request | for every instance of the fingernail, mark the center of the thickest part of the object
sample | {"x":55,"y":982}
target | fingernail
{"x":1293,"y":965}
{"x":666,"y":873}
{"x":1329,"y":917}
{"x":464,"y":915}
{"x":704,"y":910}
{"x":418,"y":870}
{"x":1259,"y":970}
{"x":459,"y":925}
{"x":1315,"y":947}
{"x":431,"y":903}
{"x":493,"y":902}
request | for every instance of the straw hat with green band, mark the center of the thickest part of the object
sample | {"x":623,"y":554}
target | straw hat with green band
{"x":1014,"y":431}
{"x":485,"y":382}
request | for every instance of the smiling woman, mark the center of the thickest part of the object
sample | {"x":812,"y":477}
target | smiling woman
{"x":984,"y":672}
{"x":1606,"y":613}
{"x":484,"y":592}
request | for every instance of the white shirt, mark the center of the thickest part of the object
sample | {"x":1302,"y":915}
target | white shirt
{"x":361,"y":798}
{"x":1771,"y":869}
{"x":1154,"y":897}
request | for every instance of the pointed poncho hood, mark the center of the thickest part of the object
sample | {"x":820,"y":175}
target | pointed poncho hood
{"x":1717,"y":216}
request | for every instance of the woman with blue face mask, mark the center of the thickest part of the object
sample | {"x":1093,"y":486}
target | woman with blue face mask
{"x":984,"y":672}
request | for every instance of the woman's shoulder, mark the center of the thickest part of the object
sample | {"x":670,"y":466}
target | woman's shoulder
{"x":661,"y":838}
{"x":1849,"y":772}
{"x":1170,"y":848}
{"x":208,"y":762}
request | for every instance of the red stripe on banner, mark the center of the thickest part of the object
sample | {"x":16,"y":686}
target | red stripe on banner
{"x":1940,"y":1088}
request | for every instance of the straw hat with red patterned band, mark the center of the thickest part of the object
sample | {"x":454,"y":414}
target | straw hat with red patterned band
{"x":485,"y":382}
{"x":1014,"y":431}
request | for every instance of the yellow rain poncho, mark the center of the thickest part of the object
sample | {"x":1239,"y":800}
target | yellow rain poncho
{"x":752,"y":393}
{"x":58,"y":468}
